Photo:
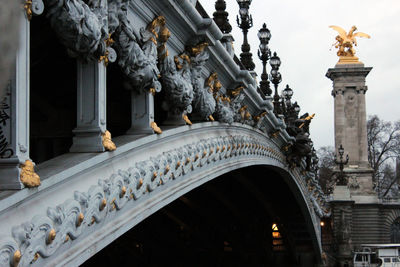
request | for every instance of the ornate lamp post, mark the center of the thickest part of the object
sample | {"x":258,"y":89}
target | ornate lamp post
{"x":245,"y":23}
{"x":275,"y":63}
{"x":287,"y":94}
{"x":221,"y":17}
{"x":264,"y":35}
{"x":341,"y":179}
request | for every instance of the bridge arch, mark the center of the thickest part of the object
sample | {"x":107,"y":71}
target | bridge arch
{"x":214,"y":223}
{"x":109,"y":193}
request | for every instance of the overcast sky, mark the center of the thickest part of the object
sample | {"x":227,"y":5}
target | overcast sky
{"x":302,"y":38}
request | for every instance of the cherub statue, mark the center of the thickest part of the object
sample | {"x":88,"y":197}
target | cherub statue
{"x":345,"y":41}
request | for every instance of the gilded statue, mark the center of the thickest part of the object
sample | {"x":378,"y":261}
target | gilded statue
{"x":345,"y":41}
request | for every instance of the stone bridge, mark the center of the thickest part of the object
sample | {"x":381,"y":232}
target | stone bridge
{"x":194,"y":116}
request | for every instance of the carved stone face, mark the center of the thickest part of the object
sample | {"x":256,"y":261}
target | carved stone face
{"x":187,"y":95}
{"x":143,"y":78}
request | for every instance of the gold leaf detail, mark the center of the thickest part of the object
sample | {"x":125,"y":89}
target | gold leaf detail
{"x":155,"y":128}
{"x":28,"y":176}
{"x":80,"y":219}
{"x":186,"y":119}
{"x":107,"y":143}
{"x":52,"y":236}
{"x":16,"y":257}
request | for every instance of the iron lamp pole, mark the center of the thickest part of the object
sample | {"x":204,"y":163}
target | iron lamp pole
{"x":276,"y":76}
{"x":245,"y":22}
{"x":264,"y":54}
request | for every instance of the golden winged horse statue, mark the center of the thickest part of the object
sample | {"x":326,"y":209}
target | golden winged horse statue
{"x":345,"y":41}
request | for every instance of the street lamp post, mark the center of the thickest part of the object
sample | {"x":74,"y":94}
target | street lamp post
{"x":245,"y":23}
{"x":341,"y":179}
{"x":276,"y":76}
{"x":287,"y":94}
{"x":264,"y":35}
{"x":221,"y":17}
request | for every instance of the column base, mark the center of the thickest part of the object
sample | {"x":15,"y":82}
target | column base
{"x":136,"y":131}
{"x":87,"y":141}
{"x":174,"y":120}
{"x":10,"y":174}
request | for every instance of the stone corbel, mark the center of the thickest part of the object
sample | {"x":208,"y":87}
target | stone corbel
{"x":177,"y":83}
{"x":223,"y":110}
{"x":139,"y":63}
{"x":203,"y":99}
{"x":82,"y":28}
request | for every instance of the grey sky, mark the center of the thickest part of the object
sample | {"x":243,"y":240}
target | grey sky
{"x":302,"y":38}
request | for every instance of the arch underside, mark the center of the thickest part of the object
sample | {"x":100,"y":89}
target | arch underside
{"x":141,"y":177}
{"x":224,"y":222}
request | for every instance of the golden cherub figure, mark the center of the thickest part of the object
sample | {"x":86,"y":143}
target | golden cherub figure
{"x":345,"y":41}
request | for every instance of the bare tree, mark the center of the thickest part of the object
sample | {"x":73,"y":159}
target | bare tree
{"x":387,"y":184}
{"x":326,"y":164}
{"x":383,"y":147}
{"x":383,"y":144}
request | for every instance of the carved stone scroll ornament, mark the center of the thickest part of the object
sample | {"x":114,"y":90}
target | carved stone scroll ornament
{"x":10,"y":255}
{"x":82,"y":28}
{"x":177,"y":83}
{"x":238,"y":108}
{"x":46,"y":233}
{"x":203,"y":99}
{"x":230,"y":109}
{"x":223,"y":110}
{"x":138,"y":63}
{"x":33,"y":7}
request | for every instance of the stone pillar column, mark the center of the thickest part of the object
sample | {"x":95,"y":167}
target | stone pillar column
{"x":350,"y":126}
{"x":91,"y":108}
{"x":342,"y":216}
{"x":350,"y":112}
{"x":14,"y":120}
{"x":142,"y":106}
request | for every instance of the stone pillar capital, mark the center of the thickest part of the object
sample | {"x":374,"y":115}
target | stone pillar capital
{"x":362,"y":89}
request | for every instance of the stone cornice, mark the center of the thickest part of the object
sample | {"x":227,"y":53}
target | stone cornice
{"x":334,"y":73}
